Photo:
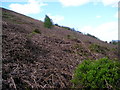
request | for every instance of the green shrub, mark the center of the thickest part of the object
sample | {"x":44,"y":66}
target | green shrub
{"x":7,"y":15}
{"x":91,"y":36}
{"x":72,"y":37}
{"x":68,"y":36}
{"x":48,"y":22}
{"x":80,"y":50}
{"x":68,"y":28}
{"x":37,"y":31}
{"x":102,"y":73}
{"x":56,"y":25}
{"x":115,"y":42}
{"x":99,"y":49}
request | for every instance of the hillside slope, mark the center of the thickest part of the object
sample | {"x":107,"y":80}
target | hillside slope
{"x":45,"y":59}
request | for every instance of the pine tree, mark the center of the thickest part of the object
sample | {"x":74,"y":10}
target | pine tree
{"x":48,"y":22}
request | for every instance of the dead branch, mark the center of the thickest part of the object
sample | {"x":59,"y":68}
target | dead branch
{"x":13,"y":83}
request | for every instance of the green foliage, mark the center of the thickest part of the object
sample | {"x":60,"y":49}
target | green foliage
{"x":65,"y":27}
{"x":80,"y":50}
{"x":36,"y":31}
{"x":99,"y":49}
{"x":102,"y":73}
{"x":13,"y":18}
{"x":78,"y":31}
{"x":114,"y":49}
{"x":48,"y":22}
{"x":68,"y":36}
{"x":72,"y":37}
{"x":56,"y":25}
{"x":7,"y":15}
{"x":92,"y":36}
{"x":68,"y":28}
{"x":115,"y":42}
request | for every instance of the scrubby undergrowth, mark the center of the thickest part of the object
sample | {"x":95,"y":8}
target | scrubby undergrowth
{"x":102,"y":73}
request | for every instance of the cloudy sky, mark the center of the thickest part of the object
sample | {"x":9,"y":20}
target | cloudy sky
{"x":96,"y":17}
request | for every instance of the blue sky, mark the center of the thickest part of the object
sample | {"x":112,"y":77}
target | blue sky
{"x":97,"y":17}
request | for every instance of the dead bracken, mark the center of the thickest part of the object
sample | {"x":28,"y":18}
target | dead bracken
{"x":45,"y":60}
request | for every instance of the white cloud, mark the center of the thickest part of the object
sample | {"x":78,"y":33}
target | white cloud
{"x":56,"y":18}
{"x":87,"y":29}
{"x":32,"y":7}
{"x":117,"y":14}
{"x":106,"y":32}
{"x":73,"y":2}
{"x":98,"y":16}
{"x":110,"y":2}
{"x":113,"y":3}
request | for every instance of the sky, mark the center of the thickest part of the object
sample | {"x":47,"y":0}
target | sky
{"x":96,"y":17}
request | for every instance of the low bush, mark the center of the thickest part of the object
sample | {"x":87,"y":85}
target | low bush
{"x":68,"y":36}
{"x":99,"y":49}
{"x":37,"y":31}
{"x":91,"y":36}
{"x":102,"y":73}
{"x":115,"y":42}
